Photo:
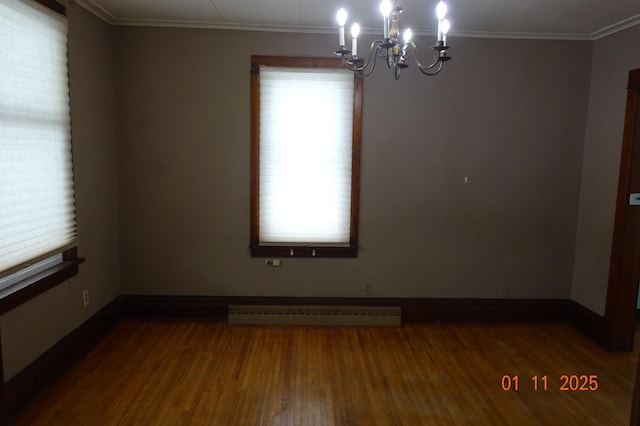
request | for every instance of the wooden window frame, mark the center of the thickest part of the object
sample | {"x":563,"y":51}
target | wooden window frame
{"x":34,"y":285}
{"x":54,"y":5}
{"x":302,"y":250}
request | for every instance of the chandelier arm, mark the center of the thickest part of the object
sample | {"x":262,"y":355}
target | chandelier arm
{"x":352,"y":65}
{"x":422,"y":67}
{"x":373,"y":67}
{"x":360,"y":72}
{"x":426,"y":71}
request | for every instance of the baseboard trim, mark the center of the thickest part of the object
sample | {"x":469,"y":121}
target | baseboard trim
{"x":414,"y":311}
{"x":589,"y":323}
{"x":27,"y":385}
{"x":424,"y":311}
{"x":175,"y":308}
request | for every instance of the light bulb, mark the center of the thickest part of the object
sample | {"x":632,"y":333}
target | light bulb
{"x":406,"y":36}
{"x":445,"y":26}
{"x":341,"y":16}
{"x":441,"y":10}
{"x":355,"y":30}
{"x":385,"y":8}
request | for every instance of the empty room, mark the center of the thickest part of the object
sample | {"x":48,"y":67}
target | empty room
{"x":349,"y":212}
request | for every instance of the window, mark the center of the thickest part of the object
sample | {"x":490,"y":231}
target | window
{"x":306,"y":116}
{"x":37,"y":212}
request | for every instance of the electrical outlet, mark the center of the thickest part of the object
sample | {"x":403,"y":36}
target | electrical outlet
{"x":368,"y":289}
{"x":85,"y":297}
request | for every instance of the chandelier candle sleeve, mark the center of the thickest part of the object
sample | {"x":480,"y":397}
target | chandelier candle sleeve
{"x":385,"y":9}
{"x":355,"y":32}
{"x":445,"y":30}
{"x":441,"y":12}
{"x":406,"y":38}
{"x":341,"y":16}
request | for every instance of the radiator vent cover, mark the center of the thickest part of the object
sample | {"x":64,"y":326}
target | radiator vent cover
{"x":314,"y":315}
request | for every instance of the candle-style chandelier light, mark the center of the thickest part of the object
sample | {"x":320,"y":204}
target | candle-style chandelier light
{"x":392,"y":50}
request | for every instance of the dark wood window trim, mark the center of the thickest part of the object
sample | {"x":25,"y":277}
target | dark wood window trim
{"x":37,"y":284}
{"x":53,"y":5}
{"x":303,"y":250}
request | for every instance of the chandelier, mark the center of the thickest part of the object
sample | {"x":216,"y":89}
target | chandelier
{"x":395,"y":52}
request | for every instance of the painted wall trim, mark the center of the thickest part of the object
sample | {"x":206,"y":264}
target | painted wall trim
{"x":589,"y":323}
{"x":414,"y":311}
{"x":27,"y":385}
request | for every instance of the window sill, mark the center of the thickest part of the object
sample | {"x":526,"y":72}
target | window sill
{"x":303,"y":251}
{"x":37,"y":284}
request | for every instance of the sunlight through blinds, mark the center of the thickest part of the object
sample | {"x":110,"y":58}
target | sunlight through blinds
{"x":306,"y":120}
{"x":37,"y":214}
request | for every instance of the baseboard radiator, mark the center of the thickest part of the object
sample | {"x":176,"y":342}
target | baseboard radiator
{"x":315,"y":315}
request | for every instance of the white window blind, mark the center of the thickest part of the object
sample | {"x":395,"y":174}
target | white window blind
{"x":37,"y":215}
{"x":306,"y":121}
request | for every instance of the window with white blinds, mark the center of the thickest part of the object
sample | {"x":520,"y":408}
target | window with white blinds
{"x":37,"y":213}
{"x":305,"y":164}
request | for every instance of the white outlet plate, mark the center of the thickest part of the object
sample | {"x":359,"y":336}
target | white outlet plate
{"x":85,"y":297}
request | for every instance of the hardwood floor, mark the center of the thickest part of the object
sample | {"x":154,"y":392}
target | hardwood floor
{"x":213,"y":374}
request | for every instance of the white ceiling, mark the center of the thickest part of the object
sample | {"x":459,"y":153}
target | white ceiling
{"x":558,"y":19}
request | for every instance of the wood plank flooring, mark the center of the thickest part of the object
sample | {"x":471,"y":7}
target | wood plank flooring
{"x":147,"y":373}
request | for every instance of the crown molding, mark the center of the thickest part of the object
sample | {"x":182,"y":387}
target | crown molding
{"x":109,"y":18}
{"x":224,"y":26}
{"x":617,"y":27}
{"x":97,"y":10}
{"x":523,"y":36}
